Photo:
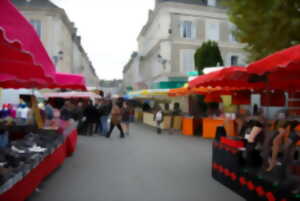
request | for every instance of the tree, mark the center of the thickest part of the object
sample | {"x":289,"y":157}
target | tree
{"x":208,"y":55}
{"x":265,"y":26}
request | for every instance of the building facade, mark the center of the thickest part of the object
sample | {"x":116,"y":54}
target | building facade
{"x":59,"y":37}
{"x":132,"y":79}
{"x":174,"y":31}
{"x":111,"y":88}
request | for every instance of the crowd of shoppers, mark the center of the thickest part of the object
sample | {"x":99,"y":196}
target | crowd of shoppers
{"x":99,"y":118}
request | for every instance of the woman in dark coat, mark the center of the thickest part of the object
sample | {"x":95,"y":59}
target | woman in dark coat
{"x":91,"y":115}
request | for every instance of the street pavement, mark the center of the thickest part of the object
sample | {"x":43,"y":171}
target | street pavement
{"x":142,"y":167}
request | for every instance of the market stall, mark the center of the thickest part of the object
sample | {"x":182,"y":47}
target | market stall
{"x":188,"y":124}
{"x":229,"y":167}
{"x":35,"y":163}
{"x":28,"y":151}
{"x":248,"y":164}
{"x":210,"y":126}
{"x":154,"y":95}
{"x":148,"y":119}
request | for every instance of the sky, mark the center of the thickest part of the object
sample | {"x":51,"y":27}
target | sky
{"x":109,"y":30}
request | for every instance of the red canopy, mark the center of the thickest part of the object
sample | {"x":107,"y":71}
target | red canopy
{"x":23,"y":59}
{"x":283,"y":59}
{"x":282,"y":69}
{"x":235,"y":76}
{"x":69,"y":81}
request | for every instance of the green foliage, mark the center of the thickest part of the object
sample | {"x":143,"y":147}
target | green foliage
{"x":208,"y":55}
{"x":266,"y":26}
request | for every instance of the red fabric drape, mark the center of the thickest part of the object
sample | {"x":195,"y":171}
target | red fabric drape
{"x":212,"y":98}
{"x":294,"y":95}
{"x":241,"y":98}
{"x":71,"y":143}
{"x":275,"y":99}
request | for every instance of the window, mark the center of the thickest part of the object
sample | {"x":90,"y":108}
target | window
{"x":212,"y":31}
{"x":37,"y":26}
{"x":187,"y":60}
{"x":188,"y":30}
{"x":234,"y":60}
{"x":212,"y":3}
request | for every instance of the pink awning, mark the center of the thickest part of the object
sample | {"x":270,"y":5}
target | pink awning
{"x":69,"y":81}
{"x":23,"y":58}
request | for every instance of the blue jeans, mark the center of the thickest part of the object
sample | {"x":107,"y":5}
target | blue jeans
{"x":104,"y":126}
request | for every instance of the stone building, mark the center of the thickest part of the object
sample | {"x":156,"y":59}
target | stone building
{"x":59,"y":37}
{"x":173,"y":32}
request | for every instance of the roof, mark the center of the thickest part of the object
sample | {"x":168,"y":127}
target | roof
{"x":34,"y":3}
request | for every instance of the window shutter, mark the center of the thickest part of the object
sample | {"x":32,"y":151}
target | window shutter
{"x":181,"y":25}
{"x":194,"y":31}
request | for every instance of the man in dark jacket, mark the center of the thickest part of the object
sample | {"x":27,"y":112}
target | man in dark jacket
{"x":91,"y":118}
{"x":79,"y":117}
{"x":66,"y":112}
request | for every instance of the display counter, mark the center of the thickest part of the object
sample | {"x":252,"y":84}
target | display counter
{"x":148,"y":119}
{"x":210,"y":126}
{"x":177,"y":122}
{"x":230,"y":169}
{"x":138,"y":115}
{"x":30,"y":174}
{"x":188,"y":126}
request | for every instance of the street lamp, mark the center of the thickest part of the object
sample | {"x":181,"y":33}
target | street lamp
{"x":58,"y":57}
{"x":162,"y":60}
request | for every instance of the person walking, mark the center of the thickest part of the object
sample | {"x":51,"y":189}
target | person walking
{"x":116,"y":118}
{"x":105,"y":110}
{"x":90,"y":114}
{"x":158,"y":118}
{"x":125,"y":118}
{"x":98,"y":105}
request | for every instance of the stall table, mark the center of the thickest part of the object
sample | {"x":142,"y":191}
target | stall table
{"x":148,"y":119}
{"x":188,"y":126}
{"x":27,"y":185}
{"x":210,"y":126}
{"x":138,"y":115}
{"x":229,"y":168}
{"x":177,"y":124}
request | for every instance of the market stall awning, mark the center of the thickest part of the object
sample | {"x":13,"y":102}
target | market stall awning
{"x":149,"y":93}
{"x":230,"y":77}
{"x":67,"y":95}
{"x":23,"y":59}
{"x":69,"y":81}
{"x":285,"y":59}
{"x":280,"y":70}
{"x":186,"y":91}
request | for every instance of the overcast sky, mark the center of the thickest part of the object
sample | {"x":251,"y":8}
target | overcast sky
{"x":109,"y":29}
